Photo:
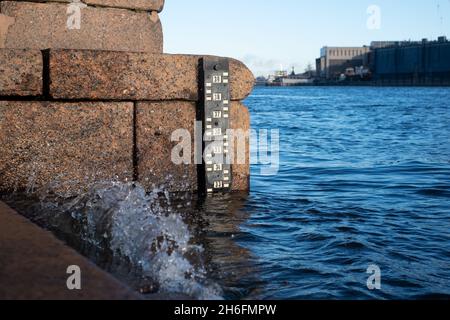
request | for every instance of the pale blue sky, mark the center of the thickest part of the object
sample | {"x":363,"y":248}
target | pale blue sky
{"x":268,"y":33}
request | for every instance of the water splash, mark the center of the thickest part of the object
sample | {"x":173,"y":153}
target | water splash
{"x":140,"y":227}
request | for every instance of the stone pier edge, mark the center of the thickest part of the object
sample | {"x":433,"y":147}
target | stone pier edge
{"x":46,"y":96}
{"x":34,"y":264}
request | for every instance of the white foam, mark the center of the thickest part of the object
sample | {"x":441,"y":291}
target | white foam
{"x":151,"y":235}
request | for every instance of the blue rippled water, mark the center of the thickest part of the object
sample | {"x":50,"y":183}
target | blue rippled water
{"x":364,"y":179}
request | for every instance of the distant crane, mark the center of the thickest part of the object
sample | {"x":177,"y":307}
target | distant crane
{"x":440,"y":15}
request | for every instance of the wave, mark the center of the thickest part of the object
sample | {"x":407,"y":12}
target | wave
{"x":142,"y":228}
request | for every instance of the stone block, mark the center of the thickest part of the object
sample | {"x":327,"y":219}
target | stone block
{"x":155,"y":123}
{"x":20,"y":72}
{"x":79,"y":74}
{"x":34,"y":264}
{"x":240,"y":120}
{"x":64,"y":146}
{"x":45,"y":25}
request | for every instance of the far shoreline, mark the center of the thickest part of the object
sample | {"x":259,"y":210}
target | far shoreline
{"x":353,"y":84}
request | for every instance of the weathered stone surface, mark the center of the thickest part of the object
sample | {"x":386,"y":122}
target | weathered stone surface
{"x":156,"y":121}
{"x":240,"y":121}
{"x":33,"y":265}
{"x":79,"y":74}
{"x":148,"y":5}
{"x":44,"y":25}
{"x":5,"y":23}
{"x":20,"y":72}
{"x":64,"y":145}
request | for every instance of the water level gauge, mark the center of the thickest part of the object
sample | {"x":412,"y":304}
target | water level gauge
{"x":215,"y":99}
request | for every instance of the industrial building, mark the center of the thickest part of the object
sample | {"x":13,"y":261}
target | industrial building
{"x":412,"y":63}
{"x":334,"y":61}
{"x":389,"y":62}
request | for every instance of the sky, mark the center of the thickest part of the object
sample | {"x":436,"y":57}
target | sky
{"x":271,"y":34}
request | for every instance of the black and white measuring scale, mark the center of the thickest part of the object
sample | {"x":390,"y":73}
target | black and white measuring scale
{"x":216,"y":101}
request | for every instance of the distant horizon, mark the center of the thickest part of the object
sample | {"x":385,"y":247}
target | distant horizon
{"x":284,"y":69}
{"x":289,"y":68}
{"x":290,"y":33}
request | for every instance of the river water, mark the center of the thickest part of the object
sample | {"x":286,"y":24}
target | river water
{"x":363,"y":180}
